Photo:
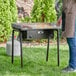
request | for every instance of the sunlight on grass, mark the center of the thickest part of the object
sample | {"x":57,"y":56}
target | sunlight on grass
{"x":34,"y":60}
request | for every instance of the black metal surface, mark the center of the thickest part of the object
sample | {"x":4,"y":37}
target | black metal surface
{"x":21,"y":48}
{"x":12,"y":46}
{"x":37,"y":34}
{"x":58,"y":58}
{"x":47,"y":48}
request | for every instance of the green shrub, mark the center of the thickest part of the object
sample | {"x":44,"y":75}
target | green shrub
{"x":43,"y":11}
{"x":8,"y":14}
{"x":13,"y":9}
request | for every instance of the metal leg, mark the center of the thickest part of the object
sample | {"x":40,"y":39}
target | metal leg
{"x":58,"y":47}
{"x":12,"y":46}
{"x":21,"y":48}
{"x":47,"y":48}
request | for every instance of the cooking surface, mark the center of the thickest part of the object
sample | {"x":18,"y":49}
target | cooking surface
{"x":25,"y":26}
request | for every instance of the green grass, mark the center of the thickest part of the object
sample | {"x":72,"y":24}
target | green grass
{"x":35,"y":63}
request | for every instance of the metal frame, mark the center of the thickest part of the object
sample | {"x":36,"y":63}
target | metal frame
{"x":20,"y":47}
{"x":58,"y":58}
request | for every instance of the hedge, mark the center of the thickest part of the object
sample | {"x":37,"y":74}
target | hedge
{"x":43,"y":11}
{"x":8,"y":14}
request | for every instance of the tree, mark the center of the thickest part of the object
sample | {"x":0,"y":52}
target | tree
{"x":8,"y":14}
{"x":43,"y":11}
{"x":13,"y":9}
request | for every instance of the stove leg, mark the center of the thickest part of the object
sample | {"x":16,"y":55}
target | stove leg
{"x":47,"y":48}
{"x":58,"y":58}
{"x":12,"y":46}
{"x":21,"y":48}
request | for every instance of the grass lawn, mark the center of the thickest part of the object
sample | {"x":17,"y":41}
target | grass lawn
{"x":35,"y":63}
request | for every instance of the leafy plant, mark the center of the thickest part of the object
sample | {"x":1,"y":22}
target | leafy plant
{"x":13,"y":9}
{"x":43,"y":11}
{"x":8,"y":14}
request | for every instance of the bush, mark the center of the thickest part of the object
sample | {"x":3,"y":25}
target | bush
{"x":8,"y":14}
{"x":43,"y":11}
{"x":13,"y":9}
